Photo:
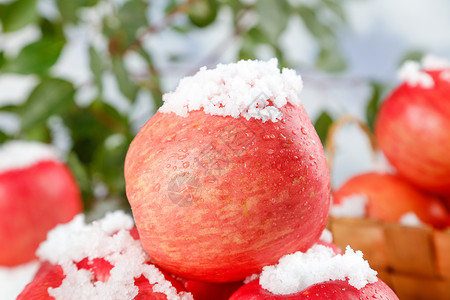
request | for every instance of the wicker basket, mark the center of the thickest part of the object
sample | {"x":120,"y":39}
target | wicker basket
{"x":414,"y":261}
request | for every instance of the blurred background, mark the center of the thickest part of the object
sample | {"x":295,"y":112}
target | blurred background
{"x":85,"y":75}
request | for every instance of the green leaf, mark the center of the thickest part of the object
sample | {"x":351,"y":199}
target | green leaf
{"x":132,"y":16}
{"x":373,"y":104}
{"x":203,"y":13}
{"x":50,"y":97}
{"x":3,"y":137}
{"x":81,"y":175}
{"x":274,"y":16}
{"x":96,"y":65}
{"x":322,"y":124}
{"x":322,"y":32}
{"x":128,"y":88}
{"x":2,"y":59}
{"x":69,"y":9}
{"x":336,"y":8}
{"x":415,"y":55}
{"x":331,"y":60}
{"x":37,"y":57}
{"x":18,"y":14}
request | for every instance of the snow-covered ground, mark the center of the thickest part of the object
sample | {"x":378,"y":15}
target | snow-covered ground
{"x":380,"y":33}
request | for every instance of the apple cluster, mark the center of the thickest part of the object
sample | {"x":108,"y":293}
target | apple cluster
{"x":412,"y":129}
{"x":230,"y":191}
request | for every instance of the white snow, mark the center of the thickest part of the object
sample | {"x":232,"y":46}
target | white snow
{"x":353,"y":206}
{"x":14,"y":279}
{"x":414,"y":73}
{"x":411,"y":72}
{"x":298,"y":271}
{"x":326,"y":236}
{"x":108,"y":238}
{"x":239,"y":89}
{"x":431,"y":62}
{"x":445,"y":75}
{"x":410,"y":219}
{"x":22,"y":154}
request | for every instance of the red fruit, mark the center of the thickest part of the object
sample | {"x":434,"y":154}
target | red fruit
{"x":413,"y":130}
{"x":336,"y":290}
{"x":217,"y":198}
{"x":33,"y":200}
{"x":390,"y":197}
{"x":201,"y":290}
{"x":52,"y":276}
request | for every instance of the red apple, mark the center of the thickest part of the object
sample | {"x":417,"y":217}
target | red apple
{"x":33,"y":199}
{"x":336,"y":290}
{"x":413,"y":130}
{"x":217,"y":198}
{"x":52,"y":275}
{"x":390,"y":197}
{"x":201,"y":290}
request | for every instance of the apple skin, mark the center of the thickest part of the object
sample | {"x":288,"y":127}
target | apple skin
{"x":390,"y":197}
{"x":256,"y":191}
{"x":412,"y":129}
{"x":336,"y":290}
{"x":201,"y":290}
{"x":33,"y":200}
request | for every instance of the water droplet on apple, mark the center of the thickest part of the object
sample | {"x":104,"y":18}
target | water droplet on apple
{"x":174,"y":168}
{"x":186,"y":164}
{"x":294,"y":132}
{"x":156,"y":187}
{"x":270,"y":151}
{"x":303,"y":130}
{"x":181,"y":157}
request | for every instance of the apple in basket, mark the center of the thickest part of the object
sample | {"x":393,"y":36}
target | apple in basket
{"x":387,"y":197}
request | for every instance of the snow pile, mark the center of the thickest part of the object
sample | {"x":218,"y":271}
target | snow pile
{"x":298,"y":271}
{"x":21,"y":154}
{"x":414,"y":73}
{"x":111,"y":240}
{"x":251,"y":89}
{"x":326,"y":236}
{"x":410,"y":219}
{"x":353,"y":206}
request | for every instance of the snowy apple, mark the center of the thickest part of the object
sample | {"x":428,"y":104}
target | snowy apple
{"x":336,"y":289}
{"x":318,"y":273}
{"x":388,"y":197}
{"x":37,"y":192}
{"x":220,"y":187}
{"x":412,"y":127}
{"x":102,"y":260}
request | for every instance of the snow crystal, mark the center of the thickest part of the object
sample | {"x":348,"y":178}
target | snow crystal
{"x":251,"y":278}
{"x":251,"y":89}
{"x":431,"y":62}
{"x":410,"y":219}
{"x":110,"y":239}
{"x":298,"y":271}
{"x":326,"y":236}
{"x":21,"y":154}
{"x":353,"y":206}
{"x":412,"y":73}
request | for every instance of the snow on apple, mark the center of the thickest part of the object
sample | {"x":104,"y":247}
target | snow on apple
{"x":101,"y":260}
{"x":319,"y":273}
{"x":229,"y":175}
{"x":37,"y":192}
{"x":412,"y":125}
